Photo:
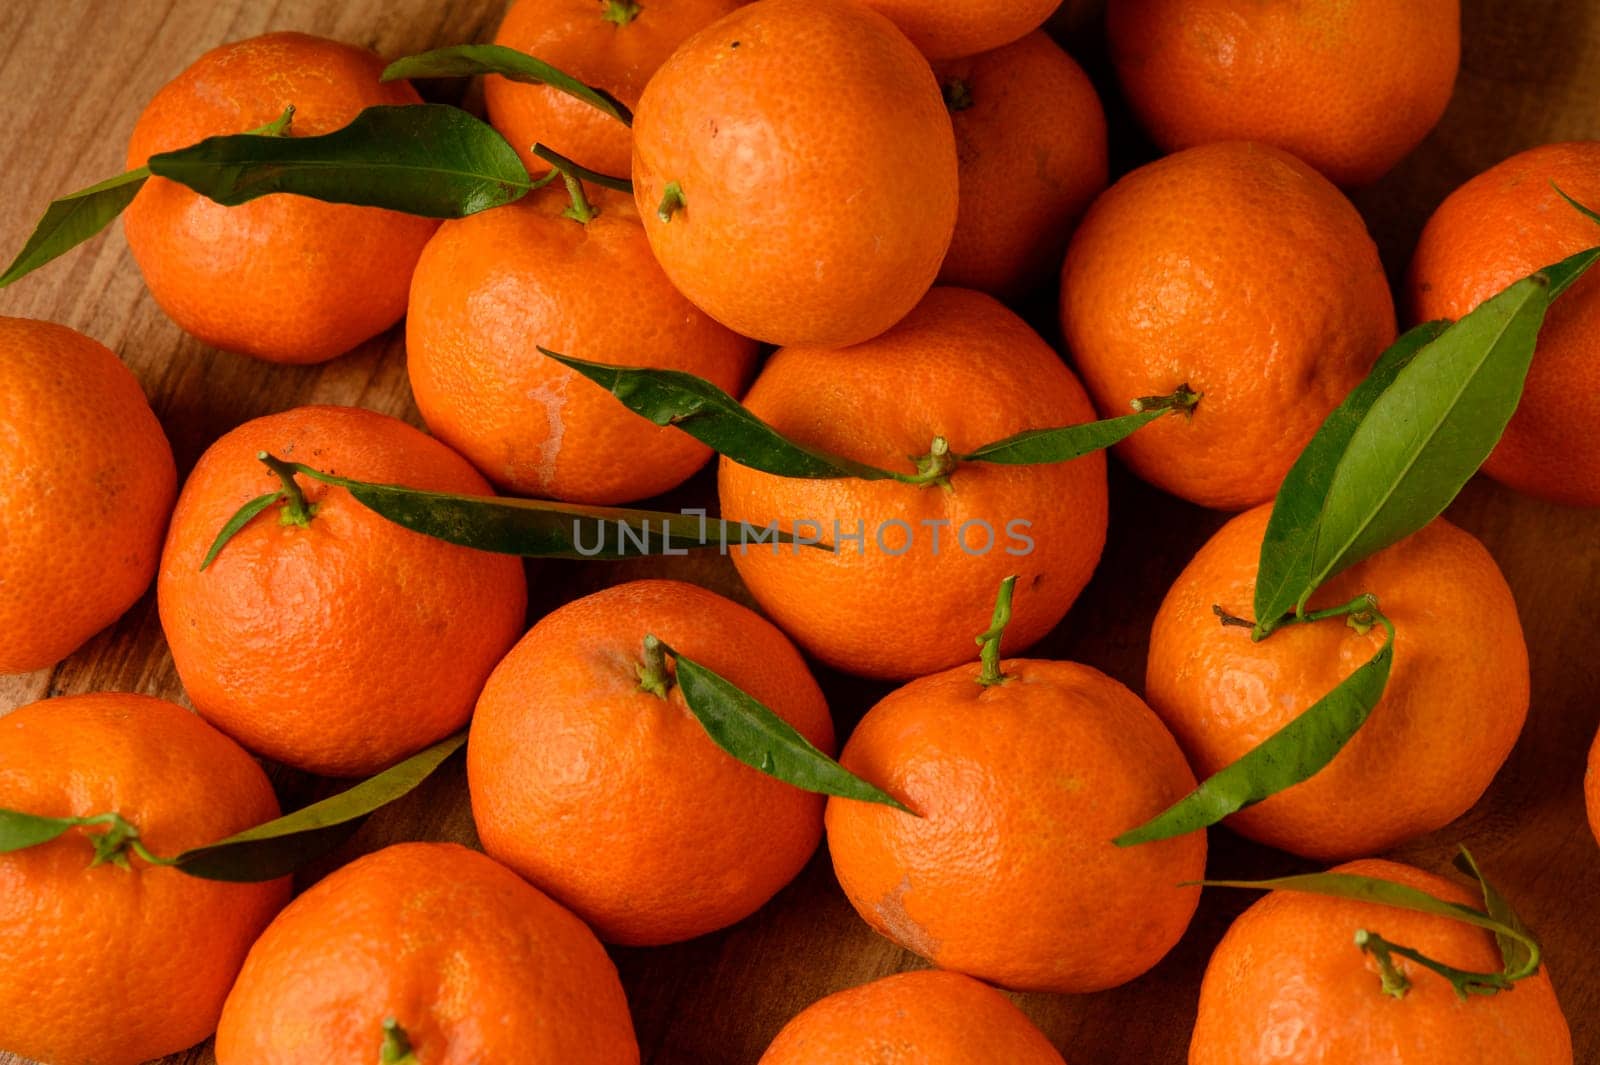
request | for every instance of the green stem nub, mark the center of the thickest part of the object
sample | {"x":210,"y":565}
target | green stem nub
{"x":989,"y":640}
{"x":396,"y":1045}
{"x":1396,"y":983}
{"x":120,"y":837}
{"x":653,"y":675}
{"x":296,"y":511}
{"x":620,"y":12}
{"x":672,"y":201}
{"x":957,"y":95}
{"x":1180,"y":400}
{"x":933,"y":468}
{"x":579,"y":209}
{"x":1360,"y":613}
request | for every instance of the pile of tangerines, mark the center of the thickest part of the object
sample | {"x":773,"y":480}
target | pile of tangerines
{"x":869,"y":186}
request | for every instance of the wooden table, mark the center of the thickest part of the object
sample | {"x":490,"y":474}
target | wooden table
{"x":75,"y":73}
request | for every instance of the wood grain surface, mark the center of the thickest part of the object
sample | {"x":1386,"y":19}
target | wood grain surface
{"x":74,"y":75}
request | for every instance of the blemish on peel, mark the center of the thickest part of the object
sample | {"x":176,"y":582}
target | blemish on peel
{"x":901,"y":926}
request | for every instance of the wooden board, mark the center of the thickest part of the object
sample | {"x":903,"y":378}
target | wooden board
{"x":74,"y":75}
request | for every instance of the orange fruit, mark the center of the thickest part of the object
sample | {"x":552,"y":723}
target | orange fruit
{"x":916,"y":566}
{"x":1450,"y":713}
{"x":815,"y":165}
{"x":1349,"y":87}
{"x":284,"y":278}
{"x":491,"y":289}
{"x":345,"y":643}
{"x":1591,"y":789}
{"x":112,"y":963}
{"x":613,"y":45}
{"x":464,"y":961}
{"x":1239,"y":270}
{"x":1031,"y":140}
{"x":1009,"y":873}
{"x":613,"y":798}
{"x":86,"y":485}
{"x":931,"y":1018}
{"x":1288,"y":986}
{"x":947,"y":29}
{"x":1501,"y":226}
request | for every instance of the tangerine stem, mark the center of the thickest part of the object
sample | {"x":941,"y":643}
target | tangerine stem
{"x":296,"y":511}
{"x":620,"y":12}
{"x":396,"y":1048}
{"x":1180,"y":400}
{"x":1396,"y":983}
{"x":989,"y":640}
{"x":120,"y":836}
{"x":672,"y":201}
{"x":933,"y":468}
{"x":653,"y":675}
{"x":1360,"y":613}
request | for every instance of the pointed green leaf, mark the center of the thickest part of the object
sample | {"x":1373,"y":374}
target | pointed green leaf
{"x":1428,"y":432}
{"x":1062,"y":444}
{"x":1518,"y":949}
{"x":1288,"y":547}
{"x":73,"y":219}
{"x":468,"y":60}
{"x":239,"y":520}
{"x":19,"y":830}
{"x":279,"y":847}
{"x":423,"y":159}
{"x":716,"y":419}
{"x":759,"y":738}
{"x":1296,"y":752}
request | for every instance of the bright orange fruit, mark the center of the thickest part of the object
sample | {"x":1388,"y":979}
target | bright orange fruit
{"x":947,"y":29}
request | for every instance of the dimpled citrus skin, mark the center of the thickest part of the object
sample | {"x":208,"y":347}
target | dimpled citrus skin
{"x":929,"y":1017}
{"x":1009,"y":874}
{"x":818,"y":168}
{"x":86,"y":485}
{"x":614,"y":800}
{"x":1501,"y":226}
{"x":963,"y":367}
{"x":946,"y":29}
{"x":113,"y":966}
{"x":345,"y":644}
{"x":1288,"y":986}
{"x":1350,"y":87}
{"x":1032,"y":150}
{"x":475,"y":965}
{"x":574,"y":37}
{"x":1452,"y":709}
{"x":493,"y":288}
{"x":284,"y":278}
{"x":1239,"y":270}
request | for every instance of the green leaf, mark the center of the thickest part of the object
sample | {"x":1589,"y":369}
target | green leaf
{"x":76,"y":217}
{"x":761,"y":739}
{"x":1428,"y":432}
{"x":1287,"y":548}
{"x":1062,"y":444}
{"x":19,"y":830}
{"x":237,"y":522}
{"x":1519,"y":951}
{"x":73,"y":219}
{"x":1562,"y":275}
{"x":279,"y":847}
{"x":716,"y":419}
{"x":531,"y":528}
{"x":467,"y":60}
{"x":1296,"y":752}
{"x":423,"y":159}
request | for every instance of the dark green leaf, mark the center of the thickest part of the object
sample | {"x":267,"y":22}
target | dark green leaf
{"x":1294,"y":753}
{"x":73,"y":219}
{"x":19,"y":830}
{"x":1062,"y":444}
{"x":237,"y":522}
{"x":1562,"y":275}
{"x":279,"y":847}
{"x":467,"y":60}
{"x":1428,"y":432}
{"x":423,"y":159}
{"x":762,"y":740}
{"x":1287,"y":549}
{"x":1518,"y":949}
{"x":534,"y":528}
{"x":716,"y":419}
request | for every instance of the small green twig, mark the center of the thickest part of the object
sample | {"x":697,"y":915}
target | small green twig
{"x":653,"y":675}
{"x":1360,"y":613}
{"x":296,"y":511}
{"x":1181,"y":400}
{"x":620,"y":12}
{"x":396,"y":1048}
{"x":933,"y":468}
{"x":120,"y":837}
{"x":1394,"y":982}
{"x":989,"y":640}
{"x":672,"y":201}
